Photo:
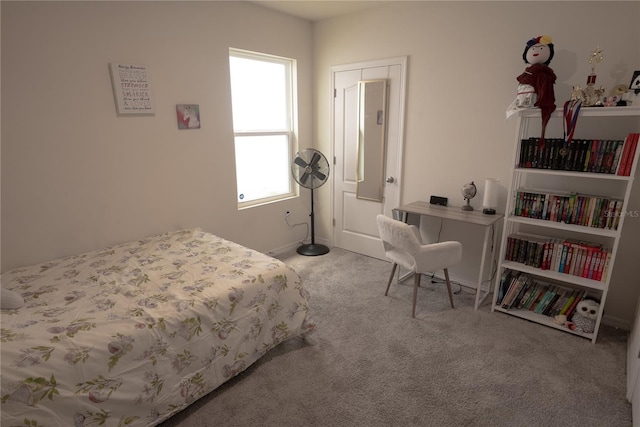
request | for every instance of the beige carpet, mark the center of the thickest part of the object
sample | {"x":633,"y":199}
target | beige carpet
{"x":372,"y":365}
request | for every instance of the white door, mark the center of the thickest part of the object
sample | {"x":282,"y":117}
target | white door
{"x":355,"y":219}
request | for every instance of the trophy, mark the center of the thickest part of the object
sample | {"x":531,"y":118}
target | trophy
{"x":593,"y":96}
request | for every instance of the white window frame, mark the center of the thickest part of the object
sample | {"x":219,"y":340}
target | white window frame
{"x":290,"y":132}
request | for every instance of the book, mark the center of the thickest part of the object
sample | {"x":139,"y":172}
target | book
{"x":604,"y":165}
{"x":558,"y":302}
{"x":540,"y":292}
{"x":578,"y":259}
{"x":616,"y":214}
{"x":592,"y":209}
{"x":595,"y":259}
{"x":625,"y":154}
{"x":517,"y":282}
{"x":547,"y":254}
{"x":526,"y":284}
{"x":544,"y":301}
{"x":572,"y":308}
{"x":587,"y":156}
{"x":569,"y":301}
{"x":556,"y":254}
{"x":628,"y":151}
{"x":561,"y":252}
{"x":569,"y":258}
{"x":563,"y":258}
{"x":526,"y":300}
{"x":605,"y":269}
{"x":616,"y":158}
{"x":611,"y":209}
{"x":505,"y":281}
{"x":632,"y":154}
{"x":596,"y":150}
{"x":605,"y":257}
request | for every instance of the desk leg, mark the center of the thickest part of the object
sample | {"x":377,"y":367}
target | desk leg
{"x":481,"y":275}
{"x":404,"y":217}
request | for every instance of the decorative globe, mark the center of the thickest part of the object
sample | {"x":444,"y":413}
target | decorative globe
{"x":468,"y":191}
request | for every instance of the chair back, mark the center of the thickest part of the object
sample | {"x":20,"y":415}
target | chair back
{"x":396,"y":235}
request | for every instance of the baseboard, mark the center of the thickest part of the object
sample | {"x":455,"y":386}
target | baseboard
{"x":292,"y":246}
{"x":283,"y":249}
{"x":616,"y":322}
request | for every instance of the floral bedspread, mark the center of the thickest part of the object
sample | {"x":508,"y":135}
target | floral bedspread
{"x":132,"y":334}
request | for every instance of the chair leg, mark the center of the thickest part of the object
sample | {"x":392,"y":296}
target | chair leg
{"x":393,"y":271}
{"x":446,"y":276}
{"x":416,"y":285}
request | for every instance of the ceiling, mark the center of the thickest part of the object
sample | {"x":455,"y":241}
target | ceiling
{"x":316,"y":10}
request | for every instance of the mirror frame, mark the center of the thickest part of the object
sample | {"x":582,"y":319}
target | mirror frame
{"x":372,"y":132}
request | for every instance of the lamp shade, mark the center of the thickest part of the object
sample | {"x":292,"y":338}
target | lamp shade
{"x":491,"y":193}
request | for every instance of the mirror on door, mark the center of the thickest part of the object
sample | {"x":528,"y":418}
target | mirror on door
{"x":372,"y":110}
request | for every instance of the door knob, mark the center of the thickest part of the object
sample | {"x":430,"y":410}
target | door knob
{"x":390,"y":180}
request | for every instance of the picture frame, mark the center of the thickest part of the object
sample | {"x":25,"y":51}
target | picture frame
{"x":635,"y":82}
{"x":132,"y":90}
{"x":188,"y":116}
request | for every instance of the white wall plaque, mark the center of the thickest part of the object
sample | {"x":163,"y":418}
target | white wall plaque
{"x":131,"y":89}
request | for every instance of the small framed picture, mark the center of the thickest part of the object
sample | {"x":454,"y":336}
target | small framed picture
{"x":188,"y":116}
{"x":635,"y":82}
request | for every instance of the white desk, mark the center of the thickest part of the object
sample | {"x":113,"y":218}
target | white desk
{"x":457,"y":214}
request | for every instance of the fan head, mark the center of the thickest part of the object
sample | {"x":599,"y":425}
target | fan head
{"x":310,"y":168}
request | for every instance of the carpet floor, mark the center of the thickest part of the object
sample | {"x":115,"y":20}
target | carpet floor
{"x":370,"y":364}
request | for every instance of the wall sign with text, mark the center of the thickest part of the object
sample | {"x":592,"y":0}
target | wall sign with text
{"x":131,"y":89}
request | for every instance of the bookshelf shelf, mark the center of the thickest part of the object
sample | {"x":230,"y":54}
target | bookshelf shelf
{"x":543,"y":320}
{"x":632,"y":110}
{"x":555,"y":276}
{"x":587,"y":175}
{"x":562,"y":226}
{"x":563,"y":255}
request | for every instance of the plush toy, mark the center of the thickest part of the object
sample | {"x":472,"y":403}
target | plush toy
{"x":584,"y":318}
{"x":561,"y":320}
{"x":535,"y":87}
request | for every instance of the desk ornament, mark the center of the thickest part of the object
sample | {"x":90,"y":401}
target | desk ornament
{"x":490,"y":199}
{"x":468,"y":192}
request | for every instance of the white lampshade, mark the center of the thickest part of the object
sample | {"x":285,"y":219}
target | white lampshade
{"x":491,"y":193}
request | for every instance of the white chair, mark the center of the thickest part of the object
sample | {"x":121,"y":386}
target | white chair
{"x":403,"y":245}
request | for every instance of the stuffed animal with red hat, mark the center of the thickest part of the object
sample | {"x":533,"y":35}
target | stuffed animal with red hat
{"x":538,"y":77}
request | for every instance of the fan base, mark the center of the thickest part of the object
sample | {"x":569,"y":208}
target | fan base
{"x":313,"y":250}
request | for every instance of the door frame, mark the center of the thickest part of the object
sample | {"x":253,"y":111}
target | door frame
{"x":398,"y":60}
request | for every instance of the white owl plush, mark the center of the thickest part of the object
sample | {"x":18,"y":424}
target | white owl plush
{"x":585,"y":315}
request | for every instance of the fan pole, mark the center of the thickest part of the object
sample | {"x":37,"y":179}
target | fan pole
{"x":312,"y":249}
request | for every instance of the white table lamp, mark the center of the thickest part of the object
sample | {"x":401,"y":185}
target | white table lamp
{"x":491,"y":194}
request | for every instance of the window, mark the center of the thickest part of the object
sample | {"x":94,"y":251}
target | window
{"x":263,"y":102}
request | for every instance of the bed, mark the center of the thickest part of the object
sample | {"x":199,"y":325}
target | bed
{"x":132,"y":334}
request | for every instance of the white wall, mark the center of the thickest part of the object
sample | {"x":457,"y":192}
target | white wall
{"x":463,"y":61}
{"x":76,"y":177}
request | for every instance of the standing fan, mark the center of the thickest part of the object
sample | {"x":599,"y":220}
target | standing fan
{"x":310,"y":169}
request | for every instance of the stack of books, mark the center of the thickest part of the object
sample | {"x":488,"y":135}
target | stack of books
{"x":569,"y":256}
{"x":580,"y":155}
{"x":569,"y":208}
{"x":522,"y":291}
